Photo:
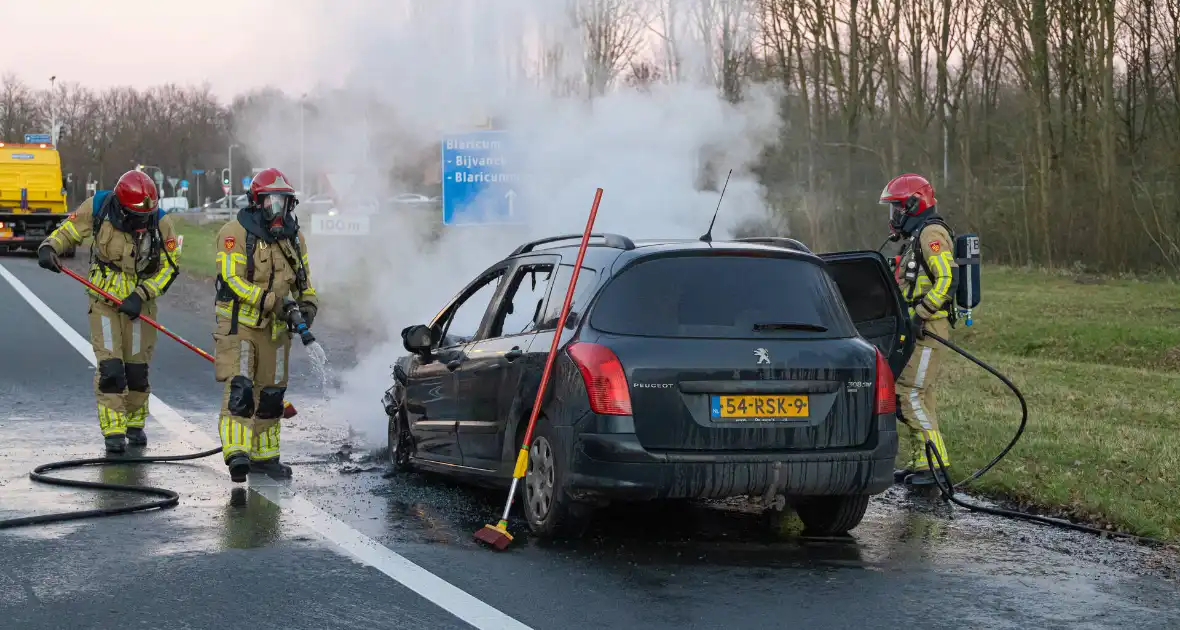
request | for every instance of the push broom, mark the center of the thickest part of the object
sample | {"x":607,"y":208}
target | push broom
{"x":497,"y":535}
{"x":288,"y":408}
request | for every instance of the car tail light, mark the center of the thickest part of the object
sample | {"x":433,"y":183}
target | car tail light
{"x":885,"y":400}
{"x":605,"y":381}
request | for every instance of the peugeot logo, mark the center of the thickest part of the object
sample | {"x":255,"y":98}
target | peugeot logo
{"x":763,"y":355}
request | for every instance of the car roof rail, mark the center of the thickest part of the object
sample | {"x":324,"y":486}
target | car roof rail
{"x":617,"y":241}
{"x":780,"y":241}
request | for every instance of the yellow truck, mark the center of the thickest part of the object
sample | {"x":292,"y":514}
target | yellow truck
{"x":32,"y":195}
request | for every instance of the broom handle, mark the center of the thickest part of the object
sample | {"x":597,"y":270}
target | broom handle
{"x":565,"y":311}
{"x":149,"y":321}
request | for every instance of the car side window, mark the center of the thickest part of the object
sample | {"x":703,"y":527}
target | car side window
{"x":552,"y":310}
{"x":465,"y":317}
{"x":520,"y":311}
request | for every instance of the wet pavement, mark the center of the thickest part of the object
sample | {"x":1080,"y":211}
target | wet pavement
{"x":332,"y":548}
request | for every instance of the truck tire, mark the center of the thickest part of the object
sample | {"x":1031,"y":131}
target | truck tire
{"x":833,"y":515}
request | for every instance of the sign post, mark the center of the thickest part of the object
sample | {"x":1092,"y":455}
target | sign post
{"x":197,"y":173}
{"x":476,"y":189}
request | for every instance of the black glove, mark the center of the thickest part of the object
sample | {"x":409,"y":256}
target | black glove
{"x":47,"y":258}
{"x":919,"y":326}
{"x":131,"y":305}
{"x":309,"y":311}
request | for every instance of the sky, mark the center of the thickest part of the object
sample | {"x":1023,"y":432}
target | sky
{"x":232,"y":44}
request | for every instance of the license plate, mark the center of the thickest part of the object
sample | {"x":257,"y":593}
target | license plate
{"x":760,"y":407}
{"x":5,"y":233}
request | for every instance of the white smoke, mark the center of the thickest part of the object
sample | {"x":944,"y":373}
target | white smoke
{"x":398,"y":75}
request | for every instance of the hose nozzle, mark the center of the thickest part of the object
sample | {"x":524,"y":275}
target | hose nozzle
{"x":295,"y":322}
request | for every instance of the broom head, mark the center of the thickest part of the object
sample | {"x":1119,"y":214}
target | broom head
{"x":495,"y":536}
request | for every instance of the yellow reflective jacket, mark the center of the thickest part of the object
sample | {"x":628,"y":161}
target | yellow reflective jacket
{"x":122,"y":262}
{"x":928,"y":287}
{"x":257,"y":288}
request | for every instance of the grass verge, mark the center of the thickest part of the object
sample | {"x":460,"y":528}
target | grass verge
{"x":1097,"y":363}
{"x":199,"y":248}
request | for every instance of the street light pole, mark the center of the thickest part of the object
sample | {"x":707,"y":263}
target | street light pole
{"x":230,"y":195}
{"x":52,"y":110}
{"x":302,"y":171}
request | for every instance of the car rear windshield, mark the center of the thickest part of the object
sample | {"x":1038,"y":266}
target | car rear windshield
{"x":723,"y":296}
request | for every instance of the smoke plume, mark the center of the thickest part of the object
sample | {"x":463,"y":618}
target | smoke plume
{"x":395,"y":76}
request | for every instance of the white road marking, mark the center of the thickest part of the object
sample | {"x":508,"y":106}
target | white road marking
{"x":431,"y":587}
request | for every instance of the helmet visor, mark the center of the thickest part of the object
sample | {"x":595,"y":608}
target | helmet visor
{"x":274,"y":206}
{"x":143,"y":207}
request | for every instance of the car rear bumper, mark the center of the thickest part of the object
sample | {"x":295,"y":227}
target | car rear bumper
{"x":616,"y":466}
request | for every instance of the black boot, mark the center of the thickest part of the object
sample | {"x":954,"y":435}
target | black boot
{"x":136,"y":436}
{"x":272,"y":468}
{"x":925,"y":478}
{"x":239,"y":467}
{"x":115,"y":443}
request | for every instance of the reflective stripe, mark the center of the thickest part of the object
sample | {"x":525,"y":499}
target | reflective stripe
{"x":919,"y":461}
{"x":936,"y":298}
{"x":280,"y":365}
{"x":70,"y":231}
{"x":135,"y":337}
{"x":137,"y":418}
{"x":248,"y":294}
{"x":919,"y":413}
{"x":235,"y":437}
{"x":245,"y":291}
{"x":266,"y":444}
{"x":108,"y":340}
{"x":923,"y":364}
{"x":111,"y":422}
{"x":244,"y":359}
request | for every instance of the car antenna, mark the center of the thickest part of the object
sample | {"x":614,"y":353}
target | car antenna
{"x":707,"y":237}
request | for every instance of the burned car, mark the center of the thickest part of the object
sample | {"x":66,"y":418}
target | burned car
{"x":685,"y":370}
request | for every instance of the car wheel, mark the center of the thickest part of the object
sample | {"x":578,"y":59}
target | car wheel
{"x":831,"y":516}
{"x":550,"y":511}
{"x":399,"y":443}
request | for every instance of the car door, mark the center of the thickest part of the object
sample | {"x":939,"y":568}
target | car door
{"x":490,"y":376}
{"x":432,"y":398}
{"x":875,"y":303}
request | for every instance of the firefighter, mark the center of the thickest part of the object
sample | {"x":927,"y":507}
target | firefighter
{"x":927,"y":275}
{"x":263,"y":288}
{"x":133,"y":256}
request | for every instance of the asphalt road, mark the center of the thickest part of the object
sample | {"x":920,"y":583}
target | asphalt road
{"x":343,"y":546}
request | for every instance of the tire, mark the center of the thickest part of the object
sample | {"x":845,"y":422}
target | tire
{"x":831,"y":516}
{"x":550,"y":511}
{"x":400,"y":443}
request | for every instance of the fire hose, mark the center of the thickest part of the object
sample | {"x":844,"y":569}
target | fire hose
{"x":167,"y":498}
{"x":947,"y":488}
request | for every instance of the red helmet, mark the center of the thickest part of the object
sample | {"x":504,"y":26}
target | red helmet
{"x":271,"y":191}
{"x":907,"y":196}
{"x":137,"y":193}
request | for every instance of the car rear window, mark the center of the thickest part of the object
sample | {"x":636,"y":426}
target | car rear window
{"x":723,"y":296}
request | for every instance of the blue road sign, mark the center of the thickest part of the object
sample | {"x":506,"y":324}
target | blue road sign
{"x":37,"y":138}
{"x":476,"y":186}
{"x":245,"y":182}
{"x":198,"y":171}
{"x":184,"y":183}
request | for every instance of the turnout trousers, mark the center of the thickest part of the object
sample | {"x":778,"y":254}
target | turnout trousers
{"x":123,"y":349}
{"x":915,"y":398}
{"x":252,"y":362}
